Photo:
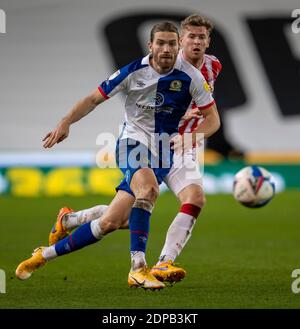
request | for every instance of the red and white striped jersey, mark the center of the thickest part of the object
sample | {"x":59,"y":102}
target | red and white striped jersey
{"x":210,"y":69}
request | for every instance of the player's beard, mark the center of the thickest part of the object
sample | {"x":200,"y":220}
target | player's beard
{"x":166,"y":63}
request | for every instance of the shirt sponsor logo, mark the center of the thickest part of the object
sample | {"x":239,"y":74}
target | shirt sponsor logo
{"x":166,"y":109}
{"x":145,"y":107}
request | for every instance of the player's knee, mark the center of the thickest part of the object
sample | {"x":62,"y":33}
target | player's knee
{"x":149,"y":192}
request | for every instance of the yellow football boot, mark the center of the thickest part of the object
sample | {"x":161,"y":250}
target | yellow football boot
{"x":168,"y":272}
{"x":144,"y":279}
{"x":58,"y":231}
{"x":28,"y":266}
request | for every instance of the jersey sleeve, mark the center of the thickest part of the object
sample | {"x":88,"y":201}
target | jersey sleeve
{"x":201,"y":92}
{"x":115,"y":83}
{"x":119,"y":81}
{"x":216,"y":67}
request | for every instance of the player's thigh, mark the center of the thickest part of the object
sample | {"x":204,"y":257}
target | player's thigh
{"x":184,"y":173}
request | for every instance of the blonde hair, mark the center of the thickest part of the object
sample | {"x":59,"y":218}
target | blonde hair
{"x":197,"y":20}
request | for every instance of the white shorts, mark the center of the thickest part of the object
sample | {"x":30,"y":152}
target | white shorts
{"x":184,"y":172}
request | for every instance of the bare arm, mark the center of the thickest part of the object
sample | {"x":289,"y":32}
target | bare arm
{"x":211,"y":122}
{"x":80,"y":109}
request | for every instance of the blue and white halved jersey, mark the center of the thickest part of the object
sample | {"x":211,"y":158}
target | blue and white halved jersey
{"x":156,"y":102}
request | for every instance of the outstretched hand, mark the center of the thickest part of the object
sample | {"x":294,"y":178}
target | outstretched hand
{"x":56,"y":136}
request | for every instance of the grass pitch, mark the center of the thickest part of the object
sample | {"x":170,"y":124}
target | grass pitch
{"x":237,"y":257}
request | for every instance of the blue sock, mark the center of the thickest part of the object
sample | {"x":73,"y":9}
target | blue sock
{"x":139,"y":220}
{"x":80,"y":238}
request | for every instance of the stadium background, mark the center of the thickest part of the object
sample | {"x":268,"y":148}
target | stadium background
{"x":54,"y":53}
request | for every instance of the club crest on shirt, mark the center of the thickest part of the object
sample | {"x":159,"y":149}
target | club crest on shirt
{"x":175,"y":85}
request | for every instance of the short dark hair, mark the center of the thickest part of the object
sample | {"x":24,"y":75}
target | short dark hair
{"x":163,"y":27}
{"x":197,"y":20}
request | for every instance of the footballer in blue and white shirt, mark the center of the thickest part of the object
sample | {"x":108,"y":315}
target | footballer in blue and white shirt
{"x":155,"y":103}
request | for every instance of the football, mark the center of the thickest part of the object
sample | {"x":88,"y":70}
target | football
{"x":253,"y":187}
